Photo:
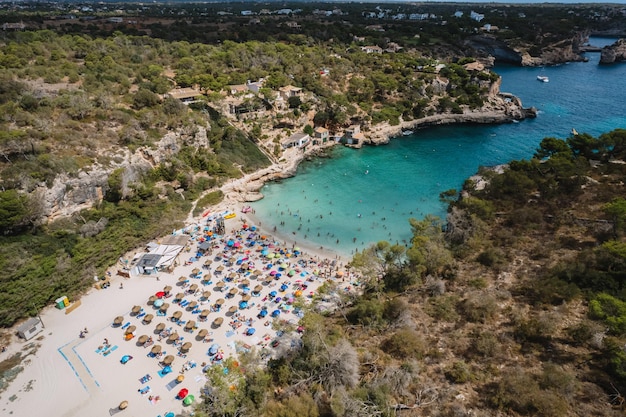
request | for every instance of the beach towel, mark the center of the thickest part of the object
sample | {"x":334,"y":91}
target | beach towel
{"x":106,"y":353}
{"x":173,"y":383}
{"x":229,"y":333}
{"x":144,"y":390}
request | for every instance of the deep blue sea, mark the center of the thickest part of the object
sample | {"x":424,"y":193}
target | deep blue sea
{"x":359,"y":197}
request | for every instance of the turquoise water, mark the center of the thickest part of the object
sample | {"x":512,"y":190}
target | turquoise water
{"x":358,"y":197}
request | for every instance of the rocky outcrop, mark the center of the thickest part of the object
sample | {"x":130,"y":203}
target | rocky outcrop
{"x":614,"y":53}
{"x":567,"y":50}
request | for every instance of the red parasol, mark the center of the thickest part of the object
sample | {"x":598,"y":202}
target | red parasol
{"x":183,"y":393}
{"x":160,"y":294}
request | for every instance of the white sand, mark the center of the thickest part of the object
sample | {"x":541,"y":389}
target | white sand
{"x":66,"y":377}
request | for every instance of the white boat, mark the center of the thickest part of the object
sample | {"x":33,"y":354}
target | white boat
{"x":407,"y":132}
{"x":543,"y":78}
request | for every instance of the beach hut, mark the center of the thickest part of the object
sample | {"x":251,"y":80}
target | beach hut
{"x":168,"y":360}
{"x":173,"y":337}
{"x":118,"y":321}
{"x":185,"y":347}
{"x":190,"y":325}
{"x":148,"y":318}
{"x":159,"y":327}
{"x":32,"y":327}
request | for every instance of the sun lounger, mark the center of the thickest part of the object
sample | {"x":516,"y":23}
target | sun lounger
{"x":144,"y":390}
{"x":126,"y":325}
{"x":140,"y":315}
{"x":107,"y":352}
{"x":184,"y":303}
{"x":145,"y":378}
{"x":161,"y":313}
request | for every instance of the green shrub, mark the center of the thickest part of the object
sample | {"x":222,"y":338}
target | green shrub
{"x":459,"y":373}
{"x":404,"y":344}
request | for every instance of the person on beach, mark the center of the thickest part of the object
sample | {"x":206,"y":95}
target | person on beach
{"x":121,"y":286}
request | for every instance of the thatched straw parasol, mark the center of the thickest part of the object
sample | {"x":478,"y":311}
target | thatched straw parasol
{"x":155,"y":349}
{"x":206,"y":294}
{"x":164,"y":307}
{"x":232,"y":309}
{"x":118,"y":320}
{"x":185,"y":347}
{"x":233,"y":291}
{"x":220,"y":301}
{"x":218,"y":321}
{"x":160,"y":327}
{"x":167,"y":288}
{"x":192,"y":305}
{"x":190,"y":325}
{"x":205,"y":313}
{"x":220,"y":284}
{"x":202,"y":333}
{"x":168,"y":360}
{"x":177,"y":314}
{"x":130,"y":330}
{"x":179,"y":296}
{"x":182,"y":279}
{"x":193,"y":287}
{"x":173,"y":337}
{"x":148,"y":318}
{"x":258,"y":288}
{"x":135,"y":309}
{"x":246,"y":297}
{"x":151,"y":300}
{"x":142,"y":339}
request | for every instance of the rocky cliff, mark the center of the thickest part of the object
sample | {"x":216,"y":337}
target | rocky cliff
{"x":614,"y":53}
{"x":567,"y":50}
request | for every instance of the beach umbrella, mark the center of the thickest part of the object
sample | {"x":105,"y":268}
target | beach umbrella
{"x":208,"y":262}
{"x":166,"y":370}
{"x":284,"y":265}
{"x":148,"y":318}
{"x":250,"y":331}
{"x":220,"y":284}
{"x":160,"y":294}
{"x":291,"y":272}
{"x":167,"y":288}
{"x":135,"y":309}
{"x":193,"y":287}
{"x":158,"y":302}
{"x":189,"y":399}
{"x":168,"y":360}
{"x":256,"y":272}
{"x":233,"y":291}
{"x":269,"y":279}
{"x":220,"y":301}
{"x":230,"y":242}
{"x":159,"y":327}
{"x":298,"y":293}
{"x":204,"y":313}
{"x":142,"y":339}
{"x":179,"y":296}
{"x":170,"y":414}
{"x":123,"y":405}
{"x":245,"y":282}
{"x":243,"y":305}
{"x":164,"y":307}
{"x":130,"y":329}
{"x":220,"y":268}
{"x":190,"y":324}
{"x":152,"y":299}
{"x":246,"y":297}
{"x":218,"y":321}
{"x":173,"y":337}
{"x":177,"y":314}
{"x":185,"y":347}
{"x":192,"y":305}
{"x":262,"y":313}
{"x":275,"y":313}
{"x":284,"y":287}
{"x":118,"y":320}
{"x":232,"y":275}
{"x":213,"y":349}
{"x":202,"y":333}
{"x":257,"y":288}
{"x":273,"y":293}
{"x":156,"y":349}
{"x":182,"y":279}
{"x":232,"y":309}
{"x":206,"y":294}
{"x":183,"y":393}
{"x":273,"y":273}
{"x":195,"y":271}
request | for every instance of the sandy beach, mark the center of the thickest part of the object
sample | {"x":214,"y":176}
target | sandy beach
{"x":70,"y":376}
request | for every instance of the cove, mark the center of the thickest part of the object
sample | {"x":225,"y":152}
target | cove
{"x":358,"y":197}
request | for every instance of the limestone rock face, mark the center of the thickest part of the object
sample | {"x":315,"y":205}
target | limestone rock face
{"x":614,"y":53}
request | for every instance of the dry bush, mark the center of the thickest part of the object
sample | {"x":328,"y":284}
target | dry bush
{"x":404,"y":344}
